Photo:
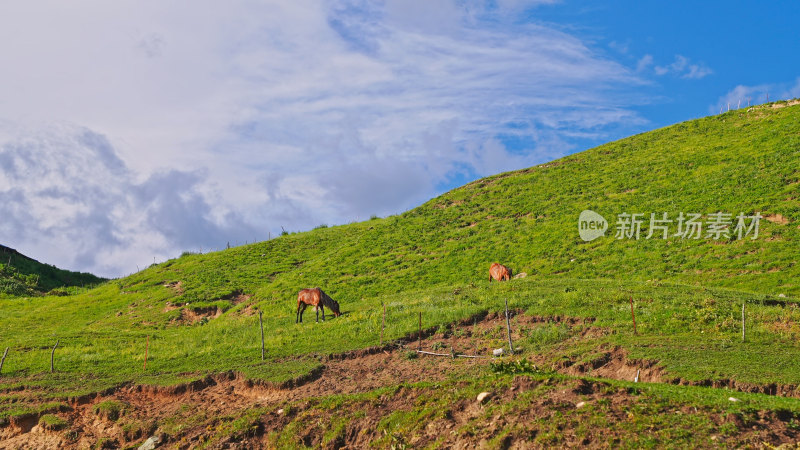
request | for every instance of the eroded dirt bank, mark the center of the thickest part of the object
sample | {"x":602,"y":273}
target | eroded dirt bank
{"x":202,"y":412}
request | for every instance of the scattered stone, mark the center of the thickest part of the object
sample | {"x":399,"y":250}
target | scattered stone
{"x":782,"y":295}
{"x":497,"y":352}
{"x":580,"y":404}
{"x":521,"y":275}
{"x":151,"y":443}
{"x":279,"y":412}
{"x":483,"y":396}
{"x":733,"y":399}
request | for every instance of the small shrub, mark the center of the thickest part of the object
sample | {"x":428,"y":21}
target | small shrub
{"x":188,"y":254}
{"x":513,"y":367}
{"x":412,"y":354}
{"x":59,"y":292}
{"x":110,"y":409}
{"x":52,"y":422}
{"x":320,"y":226}
{"x":72,"y":435}
{"x":373,"y":217}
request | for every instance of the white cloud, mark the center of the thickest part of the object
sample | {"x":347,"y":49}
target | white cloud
{"x":66,"y":194}
{"x":681,"y":67}
{"x":175,"y":125}
{"x":643,"y":63}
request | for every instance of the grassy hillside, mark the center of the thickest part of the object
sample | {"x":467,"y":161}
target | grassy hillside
{"x":199,"y":312}
{"x":743,"y":161}
{"x":21,"y":276}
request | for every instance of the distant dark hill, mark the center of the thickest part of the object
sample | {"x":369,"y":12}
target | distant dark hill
{"x":21,"y":275}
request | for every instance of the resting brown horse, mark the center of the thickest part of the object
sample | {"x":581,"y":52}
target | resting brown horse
{"x":499,"y":272}
{"x":318,"y":299}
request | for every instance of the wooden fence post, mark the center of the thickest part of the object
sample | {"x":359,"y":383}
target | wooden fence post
{"x":508,"y":327}
{"x":146,"y":350}
{"x":261,"y":324}
{"x":419,"y":336}
{"x":743,"y":320}
{"x":52,"y":357}
{"x":383,"y":324}
{"x":633,"y":316}
{"x":2,"y":361}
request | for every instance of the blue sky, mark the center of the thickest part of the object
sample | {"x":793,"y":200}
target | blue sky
{"x":742,"y":43}
{"x":131,"y":131}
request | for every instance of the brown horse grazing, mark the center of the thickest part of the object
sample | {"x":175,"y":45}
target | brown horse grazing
{"x":499,"y":272}
{"x":319,"y":300}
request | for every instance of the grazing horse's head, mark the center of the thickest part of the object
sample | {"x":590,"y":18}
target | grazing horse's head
{"x":330,"y":303}
{"x":334,"y":306}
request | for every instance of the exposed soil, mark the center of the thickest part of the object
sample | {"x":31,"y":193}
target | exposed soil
{"x":176,"y":286}
{"x":147,"y":409}
{"x":785,"y":104}
{"x":237,"y":297}
{"x":190,"y":316}
{"x":777,"y":218}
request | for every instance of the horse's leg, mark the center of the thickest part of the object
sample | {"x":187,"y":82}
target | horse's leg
{"x":316,"y":309}
{"x":297,"y":314}
{"x":302,"y":310}
{"x":322,"y":307}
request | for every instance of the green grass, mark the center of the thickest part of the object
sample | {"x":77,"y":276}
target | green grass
{"x":97,"y":352}
{"x":110,"y":409}
{"x":434,"y":259}
{"x":52,"y":422}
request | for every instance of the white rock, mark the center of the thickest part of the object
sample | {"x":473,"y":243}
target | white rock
{"x":483,"y":396}
{"x":151,"y":443}
{"x":279,"y":412}
{"x":733,"y":399}
{"x":497,"y":352}
{"x":580,"y":404}
{"x":782,"y":295}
